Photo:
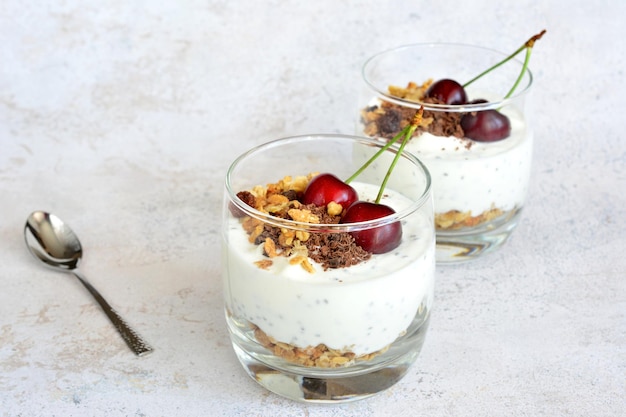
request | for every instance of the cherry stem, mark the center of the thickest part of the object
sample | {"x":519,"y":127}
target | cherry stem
{"x":521,"y":74}
{"x":409,"y":130}
{"x":528,"y":46}
{"x":376,"y":155}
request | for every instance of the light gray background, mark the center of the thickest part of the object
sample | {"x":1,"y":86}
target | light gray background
{"x":121,"y":117}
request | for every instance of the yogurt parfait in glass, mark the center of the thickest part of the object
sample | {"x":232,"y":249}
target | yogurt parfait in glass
{"x":328,"y":288}
{"x":476,"y":139}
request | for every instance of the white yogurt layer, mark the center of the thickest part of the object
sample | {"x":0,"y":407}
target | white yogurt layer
{"x":484,"y":176}
{"x":362,"y":308}
{"x":478,"y":178}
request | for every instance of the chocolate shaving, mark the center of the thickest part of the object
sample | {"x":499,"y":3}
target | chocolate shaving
{"x":444,"y":123}
{"x":333,"y":250}
{"x":268,"y":231}
{"x":291,"y":194}
{"x":392,"y":118}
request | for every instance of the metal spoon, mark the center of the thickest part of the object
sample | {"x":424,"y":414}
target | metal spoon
{"x":53,"y":242}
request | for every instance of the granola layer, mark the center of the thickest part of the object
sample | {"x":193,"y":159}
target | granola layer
{"x":320,"y":356}
{"x":454,"y":219}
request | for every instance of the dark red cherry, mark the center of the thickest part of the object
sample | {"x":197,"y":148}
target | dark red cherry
{"x":379,"y":239}
{"x":448,"y":91}
{"x":486,"y":125}
{"x":325,"y":188}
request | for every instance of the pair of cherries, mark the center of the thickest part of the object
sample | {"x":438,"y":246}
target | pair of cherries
{"x":325,"y":188}
{"x":482,"y":126}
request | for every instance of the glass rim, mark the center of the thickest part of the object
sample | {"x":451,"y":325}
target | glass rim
{"x":460,"y":108}
{"x":326,"y":227}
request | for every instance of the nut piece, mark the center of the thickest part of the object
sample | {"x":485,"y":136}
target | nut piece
{"x":269,"y":247}
{"x":334,"y":209}
{"x":264,"y":263}
{"x":303,"y":261}
{"x":412,"y":92}
{"x":276,"y":203}
{"x":303,"y":215}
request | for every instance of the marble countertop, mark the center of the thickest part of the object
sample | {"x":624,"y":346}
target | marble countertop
{"x":122,"y":117}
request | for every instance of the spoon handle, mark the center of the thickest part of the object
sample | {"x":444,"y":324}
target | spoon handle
{"x":135,"y":342}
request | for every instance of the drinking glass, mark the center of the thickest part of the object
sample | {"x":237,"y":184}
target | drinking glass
{"x":479,"y":186}
{"x":303,"y":324}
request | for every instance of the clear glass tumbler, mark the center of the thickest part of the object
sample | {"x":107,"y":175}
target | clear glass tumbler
{"x":479,"y":186}
{"x":312,"y":316}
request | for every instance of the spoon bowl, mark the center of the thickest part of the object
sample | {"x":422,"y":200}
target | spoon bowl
{"x":51,"y":241}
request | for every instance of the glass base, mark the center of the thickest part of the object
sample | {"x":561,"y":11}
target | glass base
{"x":330,"y":385}
{"x":464,"y":245}
{"x":326,"y":389}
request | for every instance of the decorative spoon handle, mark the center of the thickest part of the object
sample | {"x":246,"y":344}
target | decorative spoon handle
{"x":135,"y":342}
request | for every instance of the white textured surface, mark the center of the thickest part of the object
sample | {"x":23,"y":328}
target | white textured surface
{"x":121,"y":117}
